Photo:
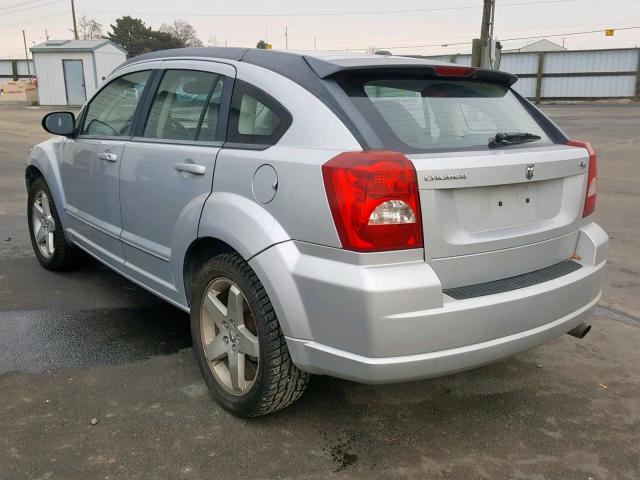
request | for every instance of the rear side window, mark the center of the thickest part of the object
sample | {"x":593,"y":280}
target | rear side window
{"x":185,"y":107}
{"x":416,"y":115}
{"x":255,"y":117}
{"x":111,"y":111}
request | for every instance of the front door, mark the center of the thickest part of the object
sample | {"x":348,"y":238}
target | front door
{"x":74,"y":82}
{"x":91,"y":167}
{"x":167,"y":171}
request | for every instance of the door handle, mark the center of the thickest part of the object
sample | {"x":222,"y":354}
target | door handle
{"x":191,"y":168}
{"x":109,"y":157}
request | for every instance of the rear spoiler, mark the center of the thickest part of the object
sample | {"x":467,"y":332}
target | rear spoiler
{"x":403,"y":65}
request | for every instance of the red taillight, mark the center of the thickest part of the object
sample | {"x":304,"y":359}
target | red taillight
{"x":449,"y":71}
{"x":590,"y":196}
{"x":373,"y":197}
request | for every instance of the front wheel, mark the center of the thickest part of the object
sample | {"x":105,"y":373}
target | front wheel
{"x":45,"y":229}
{"x":241,"y":350}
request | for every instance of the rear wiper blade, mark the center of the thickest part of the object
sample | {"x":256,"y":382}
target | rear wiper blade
{"x":506,"y":139}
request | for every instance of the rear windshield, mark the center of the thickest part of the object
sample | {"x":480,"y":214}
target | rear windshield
{"x":416,"y":115}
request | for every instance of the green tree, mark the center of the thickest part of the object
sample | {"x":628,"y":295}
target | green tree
{"x":130,"y":33}
{"x":158,"y":40}
{"x":262,"y":45}
{"x":136,"y":37}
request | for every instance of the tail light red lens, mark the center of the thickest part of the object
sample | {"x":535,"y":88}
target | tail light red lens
{"x":373,"y":196}
{"x":590,"y":196}
{"x":452,"y":71}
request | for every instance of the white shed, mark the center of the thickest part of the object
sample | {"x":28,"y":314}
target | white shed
{"x":69,"y":71}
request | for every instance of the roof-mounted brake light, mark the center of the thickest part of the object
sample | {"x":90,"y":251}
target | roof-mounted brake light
{"x":449,"y":71}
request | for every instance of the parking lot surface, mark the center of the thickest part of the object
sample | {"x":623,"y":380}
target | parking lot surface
{"x":98,"y":378}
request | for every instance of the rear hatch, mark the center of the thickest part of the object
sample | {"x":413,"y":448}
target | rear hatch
{"x":500,"y":193}
{"x":483,"y":219}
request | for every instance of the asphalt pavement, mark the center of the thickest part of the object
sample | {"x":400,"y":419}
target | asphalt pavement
{"x":98,"y":378}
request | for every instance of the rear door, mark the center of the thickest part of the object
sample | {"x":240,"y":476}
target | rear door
{"x":487,"y":213}
{"x":167,"y":169}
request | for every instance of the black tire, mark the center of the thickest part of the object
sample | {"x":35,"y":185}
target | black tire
{"x":278,"y":382}
{"x":65,"y":255}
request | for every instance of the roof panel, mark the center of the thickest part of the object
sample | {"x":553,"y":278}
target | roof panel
{"x":227,"y":53}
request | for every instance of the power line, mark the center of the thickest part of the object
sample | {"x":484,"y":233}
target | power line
{"x":570,"y":33}
{"x":441,"y":44}
{"x":33,"y":6}
{"x":445,"y":44}
{"x":33,"y":20}
{"x":328,"y":14}
{"x":459,"y":33}
{"x":19,"y":4}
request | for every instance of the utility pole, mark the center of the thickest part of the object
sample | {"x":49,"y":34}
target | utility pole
{"x":73,"y":15}
{"x":485,"y":51}
{"x":46,"y":34}
{"x":286,"y":38}
{"x":486,"y":29}
{"x":315,"y":44}
{"x":26,"y":53}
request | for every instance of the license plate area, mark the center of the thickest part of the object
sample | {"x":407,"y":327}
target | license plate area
{"x":501,"y":206}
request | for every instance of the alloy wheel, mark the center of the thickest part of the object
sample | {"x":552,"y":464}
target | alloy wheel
{"x":229,"y":337}
{"x":43,"y":224}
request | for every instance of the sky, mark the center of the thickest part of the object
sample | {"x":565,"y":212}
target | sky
{"x":429,"y":27}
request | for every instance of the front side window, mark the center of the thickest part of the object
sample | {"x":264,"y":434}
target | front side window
{"x":186,"y":106}
{"x":256,"y":117}
{"x":414,"y":115}
{"x":111,"y":112}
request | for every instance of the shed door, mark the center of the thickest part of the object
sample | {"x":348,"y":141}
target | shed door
{"x":74,"y":82}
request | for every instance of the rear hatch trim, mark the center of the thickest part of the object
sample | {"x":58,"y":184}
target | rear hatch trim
{"x":513,"y":283}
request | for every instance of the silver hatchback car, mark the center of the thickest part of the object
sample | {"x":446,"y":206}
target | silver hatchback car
{"x":379,"y":219}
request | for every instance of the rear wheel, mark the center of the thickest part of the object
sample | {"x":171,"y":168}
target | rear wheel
{"x":241,"y":350}
{"x":45,"y":229}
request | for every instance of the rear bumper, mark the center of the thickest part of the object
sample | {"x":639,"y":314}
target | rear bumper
{"x":321,"y":358}
{"x":382,"y":323}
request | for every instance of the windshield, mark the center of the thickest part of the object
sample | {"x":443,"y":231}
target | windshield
{"x":426,"y":114}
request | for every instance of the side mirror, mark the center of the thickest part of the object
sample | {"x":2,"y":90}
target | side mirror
{"x":59,"y":123}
